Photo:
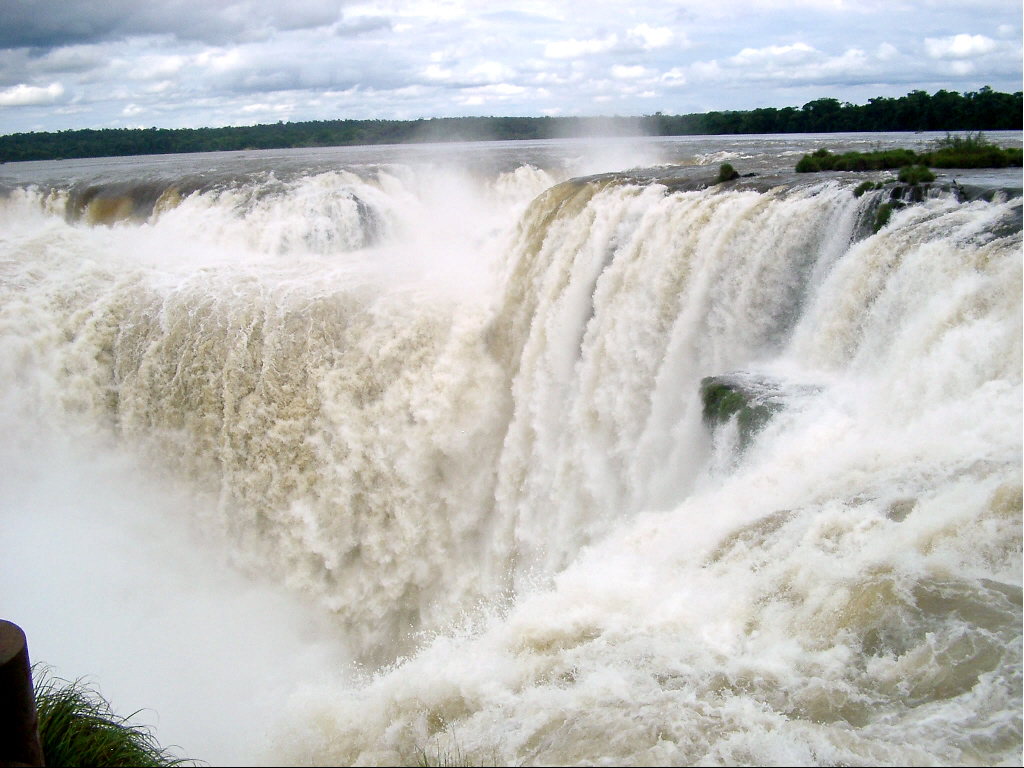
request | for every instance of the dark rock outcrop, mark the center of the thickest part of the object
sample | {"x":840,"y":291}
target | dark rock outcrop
{"x":752,"y":399}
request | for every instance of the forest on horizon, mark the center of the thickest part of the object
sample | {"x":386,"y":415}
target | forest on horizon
{"x":982,"y":110}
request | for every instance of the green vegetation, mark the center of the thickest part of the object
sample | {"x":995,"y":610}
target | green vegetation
{"x":972,"y":151}
{"x":882,"y":215}
{"x":724,"y":397}
{"x":823,"y":160}
{"x":866,"y":186}
{"x":727,"y":173}
{"x":985,"y":109}
{"x":916,"y":174}
{"x":78,"y":728}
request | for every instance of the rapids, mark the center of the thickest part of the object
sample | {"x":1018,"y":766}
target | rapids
{"x":365,"y":456}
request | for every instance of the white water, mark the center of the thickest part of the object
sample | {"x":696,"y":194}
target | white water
{"x":318,"y":486}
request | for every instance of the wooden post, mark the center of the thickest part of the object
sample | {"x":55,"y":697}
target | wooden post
{"x":19,"y":726}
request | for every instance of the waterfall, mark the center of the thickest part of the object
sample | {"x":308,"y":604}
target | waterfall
{"x":480,"y":450}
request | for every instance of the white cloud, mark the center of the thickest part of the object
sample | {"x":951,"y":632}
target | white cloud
{"x":674,"y":77}
{"x":620,"y":72}
{"x":446,"y":10}
{"x":706,"y":70}
{"x":162,"y":86}
{"x":959,"y":47}
{"x":795,"y":52}
{"x":788,"y":66}
{"x":488,"y":93}
{"x":491,"y":72}
{"x":149,"y":67}
{"x":268,"y":108}
{"x":886,"y":52}
{"x":222,"y":62}
{"x":435,"y":72}
{"x":573,"y":49}
{"x":29,"y":95}
{"x":502,"y":89}
{"x":652,"y":37}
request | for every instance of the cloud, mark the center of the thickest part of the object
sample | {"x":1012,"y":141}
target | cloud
{"x":674,"y":78}
{"x":268,"y":108}
{"x":491,"y":72}
{"x":794,"y":66}
{"x":220,"y":62}
{"x":53,"y":23}
{"x":57,"y":23}
{"x":26,"y":95}
{"x":149,"y":67}
{"x":574,"y":49}
{"x":496,"y":92}
{"x":651,"y":37}
{"x":773,"y":54}
{"x":887,"y":52}
{"x":360,"y":25}
{"x":435,"y":72}
{"x":959,"y":47}
{"x":620,"y":72}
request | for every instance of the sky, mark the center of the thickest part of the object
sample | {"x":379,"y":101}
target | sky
{"x":67,"y":64}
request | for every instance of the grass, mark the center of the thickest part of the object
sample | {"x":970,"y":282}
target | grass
{"x":967,"y":143}
{"x":970,"y":151}
{"x":866,"y":186}
{"x":882,"y":215}
{"x":916,"y":174}
{"x":881,"y":160}
{"x":445,"y":752}
{"x":77,"y":727}
{"x":727,"y":173}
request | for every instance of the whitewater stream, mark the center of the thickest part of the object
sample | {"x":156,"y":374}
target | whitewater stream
{"x":374,"y":455}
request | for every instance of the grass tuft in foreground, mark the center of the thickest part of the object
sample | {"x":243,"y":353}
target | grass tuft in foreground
{"x":78,"y":728}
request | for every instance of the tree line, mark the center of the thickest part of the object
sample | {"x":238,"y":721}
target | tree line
{"x":982,"y":110}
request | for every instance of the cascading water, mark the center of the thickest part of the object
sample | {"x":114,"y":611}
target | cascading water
{"x":458,"y":414}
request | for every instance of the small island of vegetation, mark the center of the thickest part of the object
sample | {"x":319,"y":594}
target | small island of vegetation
{"x":970,"y":151}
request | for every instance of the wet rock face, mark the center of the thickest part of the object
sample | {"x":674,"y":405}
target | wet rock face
{"x":752,"y":400}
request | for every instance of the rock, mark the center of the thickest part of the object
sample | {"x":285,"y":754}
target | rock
{"x":753,"y":399}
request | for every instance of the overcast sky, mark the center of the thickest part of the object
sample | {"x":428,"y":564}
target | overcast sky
{"x":191,"y":63}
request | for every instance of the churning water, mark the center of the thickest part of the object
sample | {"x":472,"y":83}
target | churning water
{"x":360,"y":455}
